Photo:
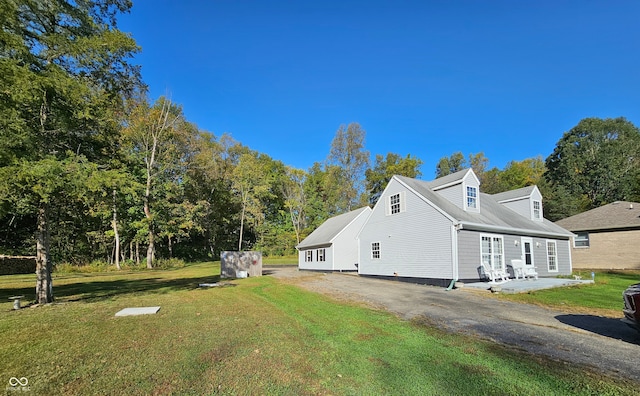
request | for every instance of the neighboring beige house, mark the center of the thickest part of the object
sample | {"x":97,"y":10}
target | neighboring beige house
{"x":606,"y":237}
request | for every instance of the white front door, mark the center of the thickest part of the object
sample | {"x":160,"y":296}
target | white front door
{"x":527,"y":251}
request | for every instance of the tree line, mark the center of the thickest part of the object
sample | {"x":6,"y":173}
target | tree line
{"x":92,"y":169}
{"x":595,"y":163}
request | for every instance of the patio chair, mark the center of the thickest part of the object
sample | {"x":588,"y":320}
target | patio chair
{"x":530,"y":272}
{"x":494,"y":275}
{"x":518,"y":268}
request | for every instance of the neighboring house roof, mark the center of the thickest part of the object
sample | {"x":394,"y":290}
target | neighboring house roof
{"x":511,"y":195}
{"x":616,"y":215}
{"x":330,"y":229}
{"x":493,"y":216}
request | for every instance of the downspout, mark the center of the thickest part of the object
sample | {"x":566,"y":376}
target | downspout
{"x":454,"y":253}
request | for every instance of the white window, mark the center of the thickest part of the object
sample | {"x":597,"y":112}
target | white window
{"x":552,"y":256}
{"x":375,"y":250}
{"x":396,"y":203}
{"x":581,"y":240}
{"x":308,"y":256}
{"x":492,"y":252}
{"x":537,"y":210}
{"x":472,"y":197}
{"x":320,"y":255}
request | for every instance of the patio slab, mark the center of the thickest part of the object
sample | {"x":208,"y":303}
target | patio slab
{"x":514,"y":286}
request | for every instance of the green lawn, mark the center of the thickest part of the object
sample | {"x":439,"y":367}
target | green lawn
{"x":258,"y":337}
{"x":604,"y":297}
{"x":280,"y":260}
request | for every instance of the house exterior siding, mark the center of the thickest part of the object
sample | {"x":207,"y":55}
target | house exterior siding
{"x":522,"y":207}
{"x":469,"y":254}
{"x":454,"y":195}
{"x":345,"y":246}
{"x":609,"y":249}
{"x":326,"y":265}
{"x":416,"y":243}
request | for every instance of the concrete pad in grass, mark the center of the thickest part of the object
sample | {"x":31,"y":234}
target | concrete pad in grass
{"x":138,"y":311}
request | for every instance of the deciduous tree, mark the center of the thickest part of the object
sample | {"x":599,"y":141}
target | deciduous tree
{"x":64,"y":68}
{"x":598,"y":159}
{"x":350,"y":159}
{"x":384,"y":169}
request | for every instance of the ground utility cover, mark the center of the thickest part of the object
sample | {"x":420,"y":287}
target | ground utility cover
{"x":138,"y":311}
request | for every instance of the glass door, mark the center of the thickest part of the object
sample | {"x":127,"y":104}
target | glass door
{"x":527,"y":251}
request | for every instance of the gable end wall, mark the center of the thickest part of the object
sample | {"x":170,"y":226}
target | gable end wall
{"x":415,"y":243}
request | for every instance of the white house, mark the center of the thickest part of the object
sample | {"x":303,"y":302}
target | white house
{"x":445,"y":229}
{"x":333,"y":245}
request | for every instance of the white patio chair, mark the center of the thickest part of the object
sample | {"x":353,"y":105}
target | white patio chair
{"x":494,"y":274}
{"x":518,"y":268}
{"x":530,"y":272}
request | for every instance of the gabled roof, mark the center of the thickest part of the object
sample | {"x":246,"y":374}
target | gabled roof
{"x":330,"y":229}
{"x":492,"y":217}
{"x":520,"y":193}
{"x":616,"y":215}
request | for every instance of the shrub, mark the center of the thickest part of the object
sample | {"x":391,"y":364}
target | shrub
{"x":171,"y":263}
{"x":128,"y":265}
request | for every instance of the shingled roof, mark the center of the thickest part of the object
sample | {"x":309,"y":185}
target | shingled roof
{"x":616,"y":215}
{"x":493,"y":216}
{"x":523,"y":192}
{"x":330,"y":229}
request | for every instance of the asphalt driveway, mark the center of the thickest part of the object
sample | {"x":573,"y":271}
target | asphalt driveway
{"x":603,"y":344}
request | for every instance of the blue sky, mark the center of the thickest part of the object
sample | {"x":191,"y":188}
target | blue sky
{"x":425,"y":78}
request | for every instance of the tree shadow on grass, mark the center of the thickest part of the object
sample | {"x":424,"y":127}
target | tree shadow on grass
{"x":96,"y":290}
{"x":608,"y":327}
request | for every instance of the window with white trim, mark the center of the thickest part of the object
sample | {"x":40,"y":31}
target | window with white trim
{"x":394,"y":202}
{"x":320,"y":255}
{"x":375,"y":250}
{"x":492,"y":251}
{"x":308,"y":256}
{"x":581,"y":240}
{"x":537,"y":210}
{"x":472,"y":197}
{"x":552,"y":256}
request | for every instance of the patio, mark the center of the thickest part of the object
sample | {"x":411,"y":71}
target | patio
{"x":514,"y":286}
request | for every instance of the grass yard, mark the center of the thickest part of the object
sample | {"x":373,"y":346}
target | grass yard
{"x":602,"y":298}
{"x":258,"y":337}
{"x":280,"y":260}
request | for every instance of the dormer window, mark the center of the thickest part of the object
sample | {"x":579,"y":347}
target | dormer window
{"x":472,"y":197}
{"x":537,"y":210}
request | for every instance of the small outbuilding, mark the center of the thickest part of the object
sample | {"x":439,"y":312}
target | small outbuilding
{"x":607,"y":237}
{"x":333,"y":245}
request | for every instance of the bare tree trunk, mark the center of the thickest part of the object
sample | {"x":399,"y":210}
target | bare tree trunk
{"x":114,"y":224}
{"x":137,"y":253}
{"x":170,"y":246}
{"x":44,"y":284}
{"x":147,"y":213}
{"x":131,"y":250}
{"x":151,"y":249}
{"x":241,"y":229}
